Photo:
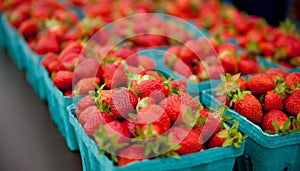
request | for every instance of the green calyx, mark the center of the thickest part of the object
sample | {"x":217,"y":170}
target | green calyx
{"x":233,"y":135}
{"x":291,"y":125}
{"x":142,"y":103}
{"x":239,"y":95}
{"x":229,"y":84}
{"x":97,"y":98}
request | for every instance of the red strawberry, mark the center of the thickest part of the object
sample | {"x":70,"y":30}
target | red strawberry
{"x":146,"y":62}
{"x":114,"y":75}
{"x":155,"y":115}
{"x":171,"y":55}
{"x":131,"y":154}
{"x":172,"y":106}
{"x":152,"y":88}
{"x":130,"y":124}
{"x":274,"y":72}
{"x":229,"y":62}
{"x":292,"y":103}
{"x":94,"y":120}
{"x":266,"y":48}
{"x":189,"y":140}
{"x":187,"y":54}
{"x":46,"y":43}
{"x":70,"y":61}
{"x":209,"y":127}
{"x":261,"y":83}
{"x":88,"y":68}
{"x":28,"y":28}
{"x":84,"y":103}
{"x":217,"y":141}
{"x":49,"y":57}
{"x":248,"y":106}
{"x":68,"y":94}
{"x":227,"y":47}
{"x":85,"y":85}
{"x":84,"y":115}
{"x":270,"y":117}
{"x":63,"y":80}
{"x":74,"y":47}
{"x":123,"y":102}
{"x":272,"y":101}
{"x":127,"y":54}
{"x":119,"y":129}
{"x":242,"y":41}
{"x":181,"y":85}
{"x":53,"y":67}
{"x":292,"y":79}
{"x":248,"y":66}
{"x":182,"y":69}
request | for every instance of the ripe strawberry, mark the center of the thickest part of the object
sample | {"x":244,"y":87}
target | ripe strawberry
{"x":217,"y":141}
{"x":70,"y":61}
{"x":248,"y":66}
{"x":85,"y":85}
{"x":229,"y":62}
{"x":248,"y":106}
{"x":292,"y":79}
{"x":146,"y":62}
{"x":74,"y":47}
{"x":230,"y":84}
{"x":155,"y":115}
{"x":261,"y":83}
{"x":53,"y":67}
{"x":187,"y":53}
{"x":127,"y":54}
{"x":130,"y":124}
{"x":114,"y":75}
{"x":88,"y":68}
{"x":266,"y":48}
{"x":49,"y":57}
{"x":84,"y":115}
{"x":292,"y":103}
{"x":171,"y":55}
{"x":119,"y":129}
{"x":123,"y":102}
{"x":172,"y":106}
{"x":63,"y":80}
{"x":28,"y":28}
{"x":274,"y":115}
{"x":210,"y":126}
{"x":152,"y":88}
{"x":131,"y":154}
{"x":94,"y":120}
{"x":182,"y":69}
{"x":189,"y":140}
{"x":84,"y":103}
{"x":181,"y":85}
{"x":272,"y":100}
{"x":68,"y":94}
{"x":227,"y":47}
{"x":274,"y":72}
{"x":46,"y":43}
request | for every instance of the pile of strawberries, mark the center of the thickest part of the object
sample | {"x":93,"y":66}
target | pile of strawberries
{"x":152,"y":117}
{"x":270,"y":100}
{"x":203,"y":59}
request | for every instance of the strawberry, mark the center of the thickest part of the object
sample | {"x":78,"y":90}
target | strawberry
{"x":266,"y":48}
{"x":84,"y":115}
{"x":247,"y":105}
{"x":74,"y":47}
{"x":181,"y":85}
{"x":146,"y":62}
{"x":210,"y":126}
{"x":63,"y":80}
{"x":182,"y":69}
{"x":130,"y":124}
{"x":292,"y":79}
{"x":171,"y":55}
{"x":114,"y":75}
{"x":84,"y":103}
{"x":70,"y":61}
{"x":152,"y":88}
{"x":49,"y":57}
{"x":46,"y":43}
{"x":230,"y":84}
{"x":189,"y":140}
{"x":227,"y":137}
{"x":261,"y":83}
{"x":274,"y":72}
{"x":28,"y":28}
{"x":131,"y":154}
{"x":117,"y":128}
{"x":53,"y":66}
{"x":187,"y":53}
{"x":292,"y":103}
{"x":88,"y":68}
{"x":68,"y":94}
{"x":274,"y":116}
{"x":127,"y":54}
{"x":227,"y":47}
{"x":89,"y":26}
{"x":229,"y":62}
{"x":94,"y":120}
{"x":248,"y":66}
{"x":85,"y":85}
{"x":272,"y":100}
{"x":123,"y":102}
{"x":242,"y":41}
{"x":155,"y":115}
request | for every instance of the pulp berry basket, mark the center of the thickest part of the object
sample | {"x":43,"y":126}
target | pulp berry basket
{"x":211,"y":159}
{"x":12,"y":43}
{"x":2,"y":37}
{"x":57,"y":104}
{"x":263,"y":152}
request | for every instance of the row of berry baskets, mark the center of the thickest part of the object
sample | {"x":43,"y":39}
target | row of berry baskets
{"x":89,"y":116}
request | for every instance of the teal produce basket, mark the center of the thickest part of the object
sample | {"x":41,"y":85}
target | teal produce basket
{"x":263,"y":152}
{"x":2,"y":37}
{"x":207,"y":160}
